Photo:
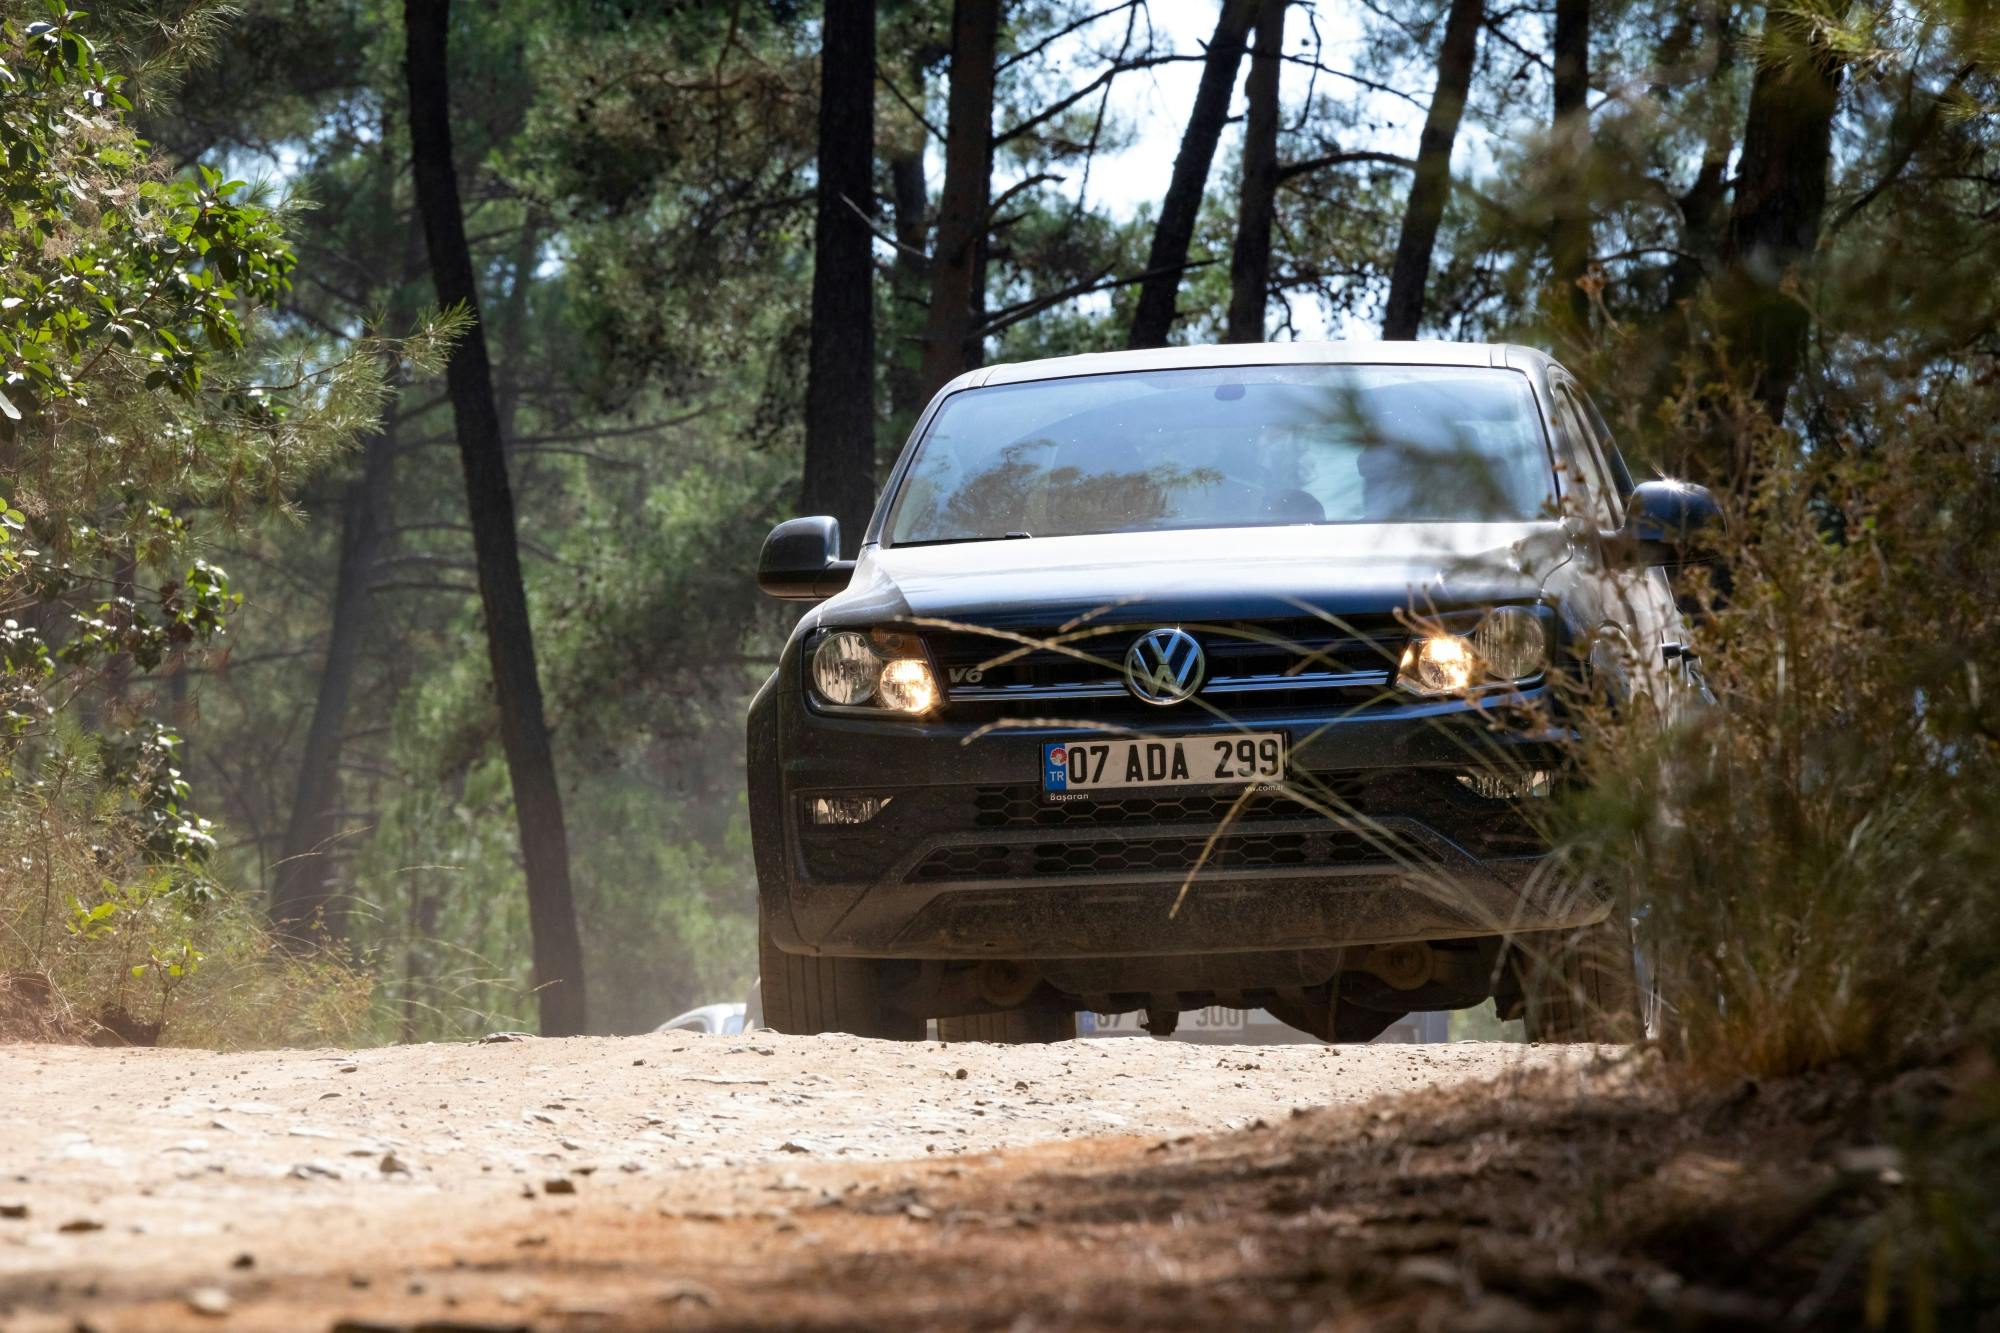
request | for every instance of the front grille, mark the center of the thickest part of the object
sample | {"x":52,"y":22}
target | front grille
{"x":1163,"y":832}
{"x":1086,"y":663}
{"x":1026,"y":807}
{"x":1178,"y":856}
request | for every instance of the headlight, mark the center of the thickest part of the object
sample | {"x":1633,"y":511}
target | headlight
{"x":845,"y":669}
{"x":907,"y":686}
{"x":853,"y":670}
{"x":1508,"y":646}
{"x":1437,"y":664}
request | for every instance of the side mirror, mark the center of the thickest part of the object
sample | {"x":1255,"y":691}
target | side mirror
{"x":801,"y":560}
{"x":1670,"y":523}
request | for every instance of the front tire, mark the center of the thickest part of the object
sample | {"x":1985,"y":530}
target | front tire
{"x":805,"y":995}
{"x":1010,"y":1027}
{"x":1581,"y":985}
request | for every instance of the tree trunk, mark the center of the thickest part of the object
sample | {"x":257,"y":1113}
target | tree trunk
{"x":1700,"y":209}
{"x":302,"y":906}
{"x":1154,"y":317}
{"x":514,"y":326}
{"x":840,"y":367}
{"x":1569,"y":241}
{"x":1256,"y":201}
{"x":963,"y":206}
{"x":1431,"y":186}
{"x":909,"y":275}
{"x":510,"y":640}
{"x":1780,"y":198}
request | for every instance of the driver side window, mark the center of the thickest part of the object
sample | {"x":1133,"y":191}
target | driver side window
{"x":1592,"y":485}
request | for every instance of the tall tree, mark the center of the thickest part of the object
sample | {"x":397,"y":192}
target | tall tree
{"x":909,"y":274}
{"x":1257,"y":197}
{"x":1431,"y":186}
{"x":840,"y":369}
{"x":964,"y":205}
{"x":510,"y":643}
{"x":1781,"y":183}
{"x":302,"y":888}
{"x":1154,"y":316}
{"x":1569,"y":240}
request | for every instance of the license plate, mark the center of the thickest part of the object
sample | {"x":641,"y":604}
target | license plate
{"x":1241,"y":758}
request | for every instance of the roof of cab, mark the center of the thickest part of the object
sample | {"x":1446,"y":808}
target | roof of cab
{"x":1255,"y":354}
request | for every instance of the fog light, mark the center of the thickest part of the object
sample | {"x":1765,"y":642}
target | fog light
{"x":907,"y":686}
{"x":1507,"y":786}
{"x":846,"y":810}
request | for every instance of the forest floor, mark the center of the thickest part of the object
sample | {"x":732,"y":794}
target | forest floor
{"x":675,"y":1181}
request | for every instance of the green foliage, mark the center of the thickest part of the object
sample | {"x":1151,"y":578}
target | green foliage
{"x":142,"y":406}
{"x":1810,"y":854}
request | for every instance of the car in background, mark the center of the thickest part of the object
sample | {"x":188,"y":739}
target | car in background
{"x":715,"y":1020}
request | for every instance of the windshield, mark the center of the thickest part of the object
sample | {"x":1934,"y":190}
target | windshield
{"x":1240,"y":446}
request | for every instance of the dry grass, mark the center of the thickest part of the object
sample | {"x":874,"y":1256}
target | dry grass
{"x":97,"y":944}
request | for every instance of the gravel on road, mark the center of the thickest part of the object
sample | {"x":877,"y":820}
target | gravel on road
{"x":147,"y":1188}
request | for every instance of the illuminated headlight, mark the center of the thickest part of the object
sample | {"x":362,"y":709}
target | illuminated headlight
{"x":1507,"y":647}
{"x":852,"y":670}
{"x":906,"y":686}
{"x":1437,"y":664}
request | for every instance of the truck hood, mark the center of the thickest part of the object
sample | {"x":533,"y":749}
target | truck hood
{"x":1204,"y":574}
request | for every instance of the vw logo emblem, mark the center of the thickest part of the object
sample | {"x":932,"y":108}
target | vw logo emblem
{"x":1164,"y":666}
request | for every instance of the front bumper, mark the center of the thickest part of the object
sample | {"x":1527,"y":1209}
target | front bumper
{"x":1374,"y":840}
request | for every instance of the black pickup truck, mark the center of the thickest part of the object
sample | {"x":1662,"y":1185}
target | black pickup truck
{"x":1209,"y":675}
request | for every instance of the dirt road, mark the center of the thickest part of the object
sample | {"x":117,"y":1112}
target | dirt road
{"x":663,"y":1180}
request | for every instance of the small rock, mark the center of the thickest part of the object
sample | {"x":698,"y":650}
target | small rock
{"x":1430,"y":1270}
{"x":559,"y":1185}
{"x":581,"y":1307}
{"x":210,"y":1301}
{"x":692,"y":1292}
{"x":1882,"y":1162}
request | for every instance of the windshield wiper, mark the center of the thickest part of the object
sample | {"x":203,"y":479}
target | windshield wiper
{"x":956,"y":541}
